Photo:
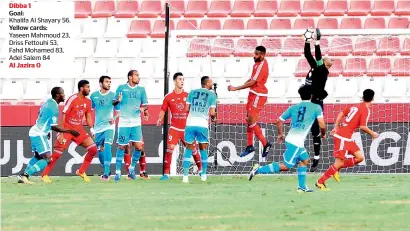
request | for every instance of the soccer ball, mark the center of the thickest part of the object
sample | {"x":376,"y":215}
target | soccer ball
{"x":308,"y":35}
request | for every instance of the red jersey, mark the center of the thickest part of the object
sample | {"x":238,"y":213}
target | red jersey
{"x":260,"y":74}
{"x":176,"y":103}
{"x":75,"y":109}
{"x":355,"y":116}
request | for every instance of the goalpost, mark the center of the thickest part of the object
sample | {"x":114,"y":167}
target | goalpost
{"x":227,"y":57}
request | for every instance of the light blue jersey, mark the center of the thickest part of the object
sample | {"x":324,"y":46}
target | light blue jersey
{"x":132,"y":99}
{"x":303,"y":116}
{"x":47,"y":116}
{"x":104,"y":110}
{"x":200,"y":101}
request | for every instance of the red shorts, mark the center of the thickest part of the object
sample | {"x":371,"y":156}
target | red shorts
{"x":68,"y":138}
{"x":342,"y":147}
{"x":175,"y":135}
{"x":255,"y":103}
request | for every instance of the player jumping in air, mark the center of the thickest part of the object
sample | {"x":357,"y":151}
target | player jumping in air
{"x":104,"y":123}
{"x":316,"y":79}
{"x":176,"y":102}
{"x":47,"y":120}
{"x":346,"y":123}
{"x":76,"y":107}
{"x":201,"y":104}
{"x":258,"y":95}
{"x":303,"y":116}
{"x":133,"y":100}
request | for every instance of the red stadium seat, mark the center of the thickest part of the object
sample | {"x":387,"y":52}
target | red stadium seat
{"x":4,"y":103}
{"x":245,"y":47}
{"x":324,"y":46}
{"x":243,"y":8}
{"x":266,"y":8}
{"x":159,"y":28}
{"x":273,"y":46}
{"x":150,"y":9}
{"x":210,"y":24}
{"x":336,"y":8}
{"x":187,"y":24}
{"x":355,"y":67}
{"x":103,"y":9}
{"x":82,"y":9}
{"x":176,"y":8}
{"x":303,"y":68}
{"x":336,"y":69}
{"x":199,"y":48}
{"x":280,"y":24}
{"x":289,"y":8}
{"x":303,"y":23}
{"x":359,"y":7}
{"x":402,"y":8}
{"x":328,"y":23}
{"x":29,"y":103}
{"x":257,"y":24}
{"x":196,"y":9}
{"x":375,"y":23}
{"x":219,"y":8}
{"x":399,"y":23}
{"x":313,"y":7}
{"x":139,"y":29}
{"x":341,"y":46}
{"x":351,"y":23}
{"x":234,"y":24}
{"x":364,"y":46}
{"x":388,"y":46}
{"x":406,"y":47}
{"x":401,"y":67}
{"x":379,"y":67}
{"x":222,"y":48}
{"x":127,"y":9}
{"x":293,"y":47}
{"x":382,"y":8}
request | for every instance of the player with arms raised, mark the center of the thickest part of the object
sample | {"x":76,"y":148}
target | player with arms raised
{"x":133,"y":100}
{"x":258,"y":96}
{"x":303,"y":116}
{"x":47,"y":120}
{"x":353,"y":117}
{"x":201,"y":104}
{"x":176,"y":102}
{"x":75,"y":109}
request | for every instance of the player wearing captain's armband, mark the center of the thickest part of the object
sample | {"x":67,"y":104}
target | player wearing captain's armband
{"x":201,"y":104}
{"x":258,"y":96}
{"x":303,"y":116}
{"x":176,"y":102}
{"x":353,"y":117}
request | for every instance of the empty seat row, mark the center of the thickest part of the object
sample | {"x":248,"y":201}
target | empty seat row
{"x":240,"y":8}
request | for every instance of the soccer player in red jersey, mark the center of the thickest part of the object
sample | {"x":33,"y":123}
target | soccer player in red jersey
{"x":353,"y":117}
{"x":176,"y":101}
{"x":258,"y":96}
{"x":76,"y":107}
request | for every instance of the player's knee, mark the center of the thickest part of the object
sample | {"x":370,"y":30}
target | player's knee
{"x":171,"y":147}
{"x":138,"y":147}
{"x":92,"y":149}
{"x":359,"y":158}
{"x":190,"y":146}
{"x":304,"y":162}
{"x":101,"y":148}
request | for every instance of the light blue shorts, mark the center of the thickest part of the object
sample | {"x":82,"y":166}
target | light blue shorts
{"x":106,"y":136}
{"x":200,"y":134}
{"x":294,"y":155}
{"x":129,"y":134}
{"x":40,"y":144}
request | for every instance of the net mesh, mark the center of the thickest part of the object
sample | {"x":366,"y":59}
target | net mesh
{"x":359,"y":62}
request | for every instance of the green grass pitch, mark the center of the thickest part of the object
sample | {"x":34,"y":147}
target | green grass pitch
{"x":368,"y":202}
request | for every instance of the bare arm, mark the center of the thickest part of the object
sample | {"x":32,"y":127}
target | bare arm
{"x":160,"y":117}
{"x":89,"y":121}
{"x":339,"y":119}
{"x":322,"y":126}
{"x":279,"y":126}
{"x":369,"y":131}
{"x":247,"y":84}
{"x":212,"y":113}
{"x":187,"y":108}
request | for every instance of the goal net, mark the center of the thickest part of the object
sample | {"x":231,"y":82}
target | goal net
{"x":361,"y":59}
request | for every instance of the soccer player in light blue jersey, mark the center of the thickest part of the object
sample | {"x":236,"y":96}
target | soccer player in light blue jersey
{"x":201,"y":104}
{"x":131,"y":100}
{"x":104,"y":125}
{"x":39,"y":134}
{"x":303,"y":116}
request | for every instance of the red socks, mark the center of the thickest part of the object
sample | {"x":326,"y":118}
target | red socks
{"x":89,"y":156}
{"x":55,"y":156}
{"x":127,"y":161}
{"x":349,"y":162}
{"x":329,"y":172}
{"x":249,"y":134}
{"x":143,"y":163}
{"x":167,"y":162}
{"x":258,"y":132}
{"x":197,"y":159}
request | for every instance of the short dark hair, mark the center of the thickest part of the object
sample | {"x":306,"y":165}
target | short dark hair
{"x":102,"y":78}
{"x":55,"y":91}
{"x":305,"y":93}
{"x":368,"y":95}
{"x":176,"y":75}
{"x":130,"y":73}
{"x":261,"y":49}
{"x":204,"y":79}
{"x":82,"y":83}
